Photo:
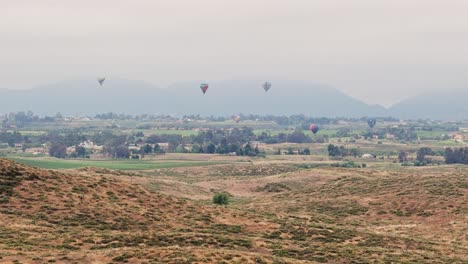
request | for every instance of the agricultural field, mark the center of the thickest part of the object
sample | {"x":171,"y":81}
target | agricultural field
{"x":51,"y":163}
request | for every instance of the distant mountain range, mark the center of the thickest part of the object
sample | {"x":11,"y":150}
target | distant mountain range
{"x":443,"y":105}
{"x":223,"y":98}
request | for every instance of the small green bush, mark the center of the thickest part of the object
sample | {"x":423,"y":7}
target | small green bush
{"x":221,"y":198}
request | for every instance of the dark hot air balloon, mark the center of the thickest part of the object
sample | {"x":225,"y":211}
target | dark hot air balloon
{"x":371,"y":122}
{"x":266,"y":86}
{"x":101,"y":80}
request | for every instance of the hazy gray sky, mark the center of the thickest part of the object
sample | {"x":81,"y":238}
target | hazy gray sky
{"x":377,"y":50}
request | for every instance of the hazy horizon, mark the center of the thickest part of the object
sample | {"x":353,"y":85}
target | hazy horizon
{"x":380,"y":52}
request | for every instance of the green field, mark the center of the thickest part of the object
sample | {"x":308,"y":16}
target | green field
{"x":149,"y":132}
{"x":50,"y":163}
{"x":327,"y":132}
{"x":431,"y":134}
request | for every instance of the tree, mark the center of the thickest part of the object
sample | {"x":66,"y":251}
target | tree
{"x":354,"y":152}
{"x":197,"y":148}
{"x":153,"y":139}
{"x":157,"y":149}
{"x":298,"y":136}
{"x":333,"y":150}
{"x":146,"y":149}
{"x":122,"y":152}
{"x":402,"y":156}
{"x":211,"y":148}
{"x":453,"y":156}
{"x":278,"y":152}
{"x":58,"y":116}
{"x":257,"y":150}
{"x":80,"y":151}
{"x":58,"y":150}
{"x":248,"y":150}
{"x":234,"y":147}
{"x":181,"y":149}
{"x":422,"y":153}
{"x":306,"y":151}
{"x":221,"y":198}
{"x":343,"y":132}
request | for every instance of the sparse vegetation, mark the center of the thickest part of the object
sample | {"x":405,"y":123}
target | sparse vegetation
{"x":221,"y":198}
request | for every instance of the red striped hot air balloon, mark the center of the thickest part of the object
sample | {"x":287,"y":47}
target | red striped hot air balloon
{"x":314,"y":128}
{"x":204,"y":87}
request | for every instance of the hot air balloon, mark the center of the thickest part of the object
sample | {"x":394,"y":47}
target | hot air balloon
{"x":204,"y":87}
{"x":314,"y":128}
{"x":371,"y":122}
{"x":101,"y":80}
{"x":237,"y":119}
{"x":266,"y":86}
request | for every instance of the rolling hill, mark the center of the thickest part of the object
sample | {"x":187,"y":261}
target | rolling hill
{"x":280,"y":213}
{"x":446,"y":104}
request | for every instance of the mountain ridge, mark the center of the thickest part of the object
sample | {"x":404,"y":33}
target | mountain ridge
{"x":87,"y":97}
{"x":222,"y":98}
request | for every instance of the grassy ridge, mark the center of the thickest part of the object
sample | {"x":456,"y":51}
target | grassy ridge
{"x":110,"y":164}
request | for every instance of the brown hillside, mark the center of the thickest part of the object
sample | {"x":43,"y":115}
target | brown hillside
{"x":52,"y":216}
{"x":279,"y":214}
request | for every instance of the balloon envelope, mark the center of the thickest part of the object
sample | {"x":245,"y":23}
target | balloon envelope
{"x":314,"y":128}
{"x":266,"y":86}
{"x":371,"y":122}
{"x":204,"y":87}
{"x":101,"y":80}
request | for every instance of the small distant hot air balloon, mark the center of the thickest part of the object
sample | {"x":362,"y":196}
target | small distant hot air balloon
{"x":371,"y":122}
{"x":266,"y":86}
{"x":314,"y":128}
{"x":237,"y":119}
{"x":204,"y":87}
{"x":101,"y":80}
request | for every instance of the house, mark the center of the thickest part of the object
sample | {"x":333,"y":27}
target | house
{"x":18,"y":145}
{"x":36,"y":151}
{"x":134,"y":147}
{"x":70,"y":150}
{"x":368,"y":156}
{"x":164,"y":146}
{"x":90,"y":145}
{"x":390,"y":136}
{"x":458,"y":137}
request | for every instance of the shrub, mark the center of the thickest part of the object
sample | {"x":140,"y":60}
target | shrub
{"x":221,"y":198}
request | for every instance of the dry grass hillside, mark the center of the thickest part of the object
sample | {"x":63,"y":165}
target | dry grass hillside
{"x":279,"y":214}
